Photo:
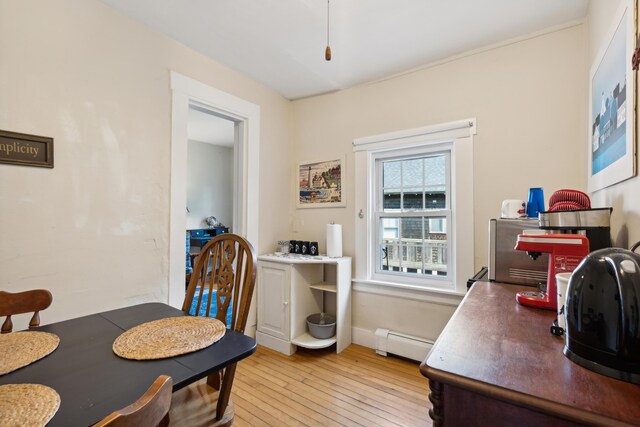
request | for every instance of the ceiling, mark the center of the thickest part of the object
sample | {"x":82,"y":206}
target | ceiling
{"x":281,"y":43}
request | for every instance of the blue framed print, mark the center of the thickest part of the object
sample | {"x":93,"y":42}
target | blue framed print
{"x":612,"y":146}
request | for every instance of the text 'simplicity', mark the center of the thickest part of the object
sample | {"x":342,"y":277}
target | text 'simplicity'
{"x":17,"y":147}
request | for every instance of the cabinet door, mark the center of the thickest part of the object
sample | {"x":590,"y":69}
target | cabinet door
{"x":273,"y":300}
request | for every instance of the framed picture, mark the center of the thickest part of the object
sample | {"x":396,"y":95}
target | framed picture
{"x":612,"y":144}
{"x":320,"y":184}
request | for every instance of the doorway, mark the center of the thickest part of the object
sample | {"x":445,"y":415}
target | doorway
{"x":188,"y":93}
{"x":210,"y":169}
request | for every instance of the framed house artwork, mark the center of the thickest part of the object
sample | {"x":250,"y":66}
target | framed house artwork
{"x":612,"y":145}
{"x":320,"y":184}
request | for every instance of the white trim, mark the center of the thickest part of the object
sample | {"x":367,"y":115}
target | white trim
{"x":363,"y":337}
{"x":187,"y":91}
{"x":414,"y":137}
{"x":416,"y":293}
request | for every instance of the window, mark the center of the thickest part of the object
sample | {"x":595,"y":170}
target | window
{"x":412,"y":209}
{"x":414,"y":195}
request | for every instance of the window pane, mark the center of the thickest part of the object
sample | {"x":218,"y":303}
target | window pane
{"x":435,"y":168}
{"x":414,"y":245}
{"x":412,"y":199}
{"x":435,"y":248}
{"x":390,"y":228}
{"x":435,"y":172}
{"x":435,"y":200}
{"x":389,"y":255}
{"x":391,"y":174}
{"x":412,"y":173}
{"x":391,"y":200}
{"x":411,"y":229}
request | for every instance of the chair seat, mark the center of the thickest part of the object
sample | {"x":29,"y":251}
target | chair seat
{"x":195,"y":406}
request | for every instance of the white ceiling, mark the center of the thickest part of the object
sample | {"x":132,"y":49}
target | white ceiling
{"x":281,"y":43}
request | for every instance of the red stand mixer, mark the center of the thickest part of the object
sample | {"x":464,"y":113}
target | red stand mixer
{"x":566,"y":251}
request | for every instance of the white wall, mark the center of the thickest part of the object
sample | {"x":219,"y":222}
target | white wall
{"x":527,"y":96}
{"x":209,"y":184}
{"x":94,"y":230}
{"x":623,"y":197}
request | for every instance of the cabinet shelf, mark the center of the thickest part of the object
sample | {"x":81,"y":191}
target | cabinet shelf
{"x":290,"y":289}
{"x":307,"y":341}
{"x":324,"y":286}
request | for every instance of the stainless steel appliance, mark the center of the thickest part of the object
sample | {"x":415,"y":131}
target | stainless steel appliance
{"x":592,"y":223}
{"x":602,"y":317}
{"x":508,"y":265}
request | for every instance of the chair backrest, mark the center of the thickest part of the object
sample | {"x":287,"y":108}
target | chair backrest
{"x":23,"y":302}
{"x":150,"y":410}
{"x":226,"y":267}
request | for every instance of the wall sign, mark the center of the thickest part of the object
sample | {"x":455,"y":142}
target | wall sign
{"x":26,"y":150}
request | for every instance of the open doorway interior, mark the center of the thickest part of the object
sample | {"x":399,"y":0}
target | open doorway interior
{"x":210,"y":178}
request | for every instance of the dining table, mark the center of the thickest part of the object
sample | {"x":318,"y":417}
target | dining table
{"x":93,"y":381}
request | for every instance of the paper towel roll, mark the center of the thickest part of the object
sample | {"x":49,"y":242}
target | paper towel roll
{"x":334,"y":240}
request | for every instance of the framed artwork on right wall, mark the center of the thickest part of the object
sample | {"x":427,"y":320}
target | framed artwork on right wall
{"x":612,"y":100}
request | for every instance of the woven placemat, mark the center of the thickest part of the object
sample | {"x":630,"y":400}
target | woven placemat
{"x":168,"y":337}
{"x":27,"y":404}
{"x":20,"y":349}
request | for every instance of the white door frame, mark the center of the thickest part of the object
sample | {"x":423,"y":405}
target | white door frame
{"x":246,"y":115}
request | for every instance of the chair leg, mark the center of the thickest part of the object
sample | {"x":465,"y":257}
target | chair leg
{"x":225,"y":390}
{"x":215,"y":379}
{"x":165,"y":421}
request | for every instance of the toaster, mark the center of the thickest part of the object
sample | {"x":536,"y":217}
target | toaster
{"x":506,"y":264}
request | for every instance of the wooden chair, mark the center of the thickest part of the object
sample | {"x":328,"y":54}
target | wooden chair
{"x":150,"y":410}
{"x":226,"y":268}
{"x":23,"y":302}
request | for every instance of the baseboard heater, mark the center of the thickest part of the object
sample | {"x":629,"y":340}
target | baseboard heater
{"x":408,"y":346}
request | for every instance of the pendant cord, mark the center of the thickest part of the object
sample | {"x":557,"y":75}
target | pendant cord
{"x":327,"y":51}
{"x":328,"y":23}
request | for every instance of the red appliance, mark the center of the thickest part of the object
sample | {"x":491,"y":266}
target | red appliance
{"x":566,"y":251}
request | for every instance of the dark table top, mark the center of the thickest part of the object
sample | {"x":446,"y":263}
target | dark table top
{"x":93,"y":382}
{"x":496,"y":347}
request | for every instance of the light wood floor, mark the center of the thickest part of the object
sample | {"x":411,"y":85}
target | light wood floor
{"x":319,"y":387}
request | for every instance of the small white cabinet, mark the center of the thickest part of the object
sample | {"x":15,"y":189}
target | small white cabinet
{"x":290,"y":288}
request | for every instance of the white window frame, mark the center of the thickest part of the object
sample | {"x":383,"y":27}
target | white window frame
{"x":458,"y":138}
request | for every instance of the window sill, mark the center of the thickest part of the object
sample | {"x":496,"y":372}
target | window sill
{"x":435,"y":295}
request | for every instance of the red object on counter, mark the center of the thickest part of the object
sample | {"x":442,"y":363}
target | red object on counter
{"x":574,"y":196}
{"x":567,"y":250}
{"x":565,"y":206}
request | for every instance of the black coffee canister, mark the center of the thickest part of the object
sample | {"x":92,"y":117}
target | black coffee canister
{"x":313,"y":248}
{"x":298,"y":248}
{"x":305,"y":248}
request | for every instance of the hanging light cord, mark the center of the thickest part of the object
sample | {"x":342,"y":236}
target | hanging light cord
{"x":327,"y":51}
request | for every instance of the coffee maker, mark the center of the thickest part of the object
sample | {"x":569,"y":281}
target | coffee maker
{"x":592,"y":223}
{"x":566,"y":252}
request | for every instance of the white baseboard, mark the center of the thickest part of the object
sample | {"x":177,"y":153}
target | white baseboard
{"x":363,"y":337}
{"x":276,"y":344}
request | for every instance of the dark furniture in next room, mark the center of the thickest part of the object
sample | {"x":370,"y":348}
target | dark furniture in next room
{"x":196,"y":239}
{"x":201,"y":236}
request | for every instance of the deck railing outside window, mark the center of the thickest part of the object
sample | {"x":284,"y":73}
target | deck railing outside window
{"x":417,"y":256}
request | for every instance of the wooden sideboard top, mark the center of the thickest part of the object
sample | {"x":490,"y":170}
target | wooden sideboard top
{"x":496,"y":347}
